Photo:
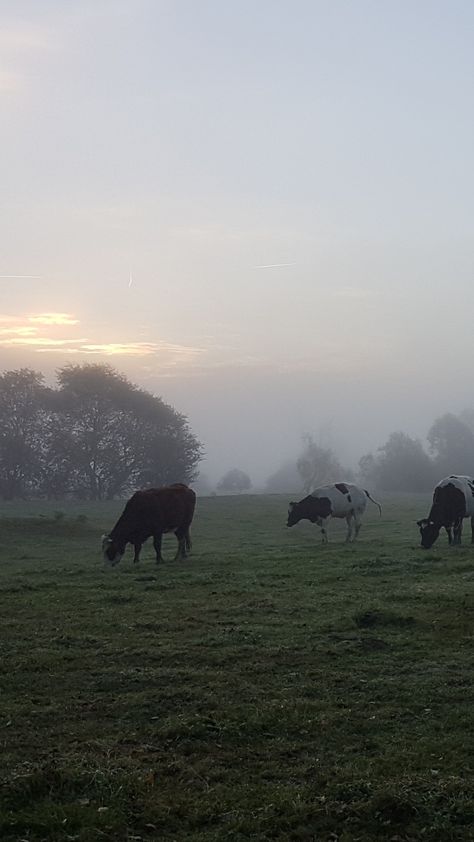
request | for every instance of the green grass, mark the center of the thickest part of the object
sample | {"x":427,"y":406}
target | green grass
{"x":267,"y":688}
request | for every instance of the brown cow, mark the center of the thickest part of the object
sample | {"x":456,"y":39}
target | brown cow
{"x":152,"y":513}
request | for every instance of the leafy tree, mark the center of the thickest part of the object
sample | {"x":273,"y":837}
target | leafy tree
{"x":120,"y":437}
{"x":168,"y":451}
{"x":23,"y":399}
{"x":235,"y":481}
{"x":401,"y":465}
{"x":452,"y":444}
{"x":97,"y":436}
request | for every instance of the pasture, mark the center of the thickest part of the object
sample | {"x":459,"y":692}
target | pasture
{"x":267,"y":688}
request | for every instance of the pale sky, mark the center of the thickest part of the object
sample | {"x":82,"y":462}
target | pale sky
{"x":262,"y":211}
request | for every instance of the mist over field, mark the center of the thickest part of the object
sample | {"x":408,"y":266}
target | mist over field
{"x":260,"y":212}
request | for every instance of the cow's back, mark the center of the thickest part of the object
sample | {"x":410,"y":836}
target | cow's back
{"x":444,"y":498}
{"x":156,"y":510}
{"x":344,"y":497}
{"x":168,"y":507}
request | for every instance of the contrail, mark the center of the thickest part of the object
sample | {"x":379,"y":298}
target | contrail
{"x":21,"y":276}
{"x":274,"y":265}
{"x":130,"y":281}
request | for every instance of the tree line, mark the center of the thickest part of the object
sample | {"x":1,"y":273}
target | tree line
{"x":401,"y":464}
{"x":95,"y":436}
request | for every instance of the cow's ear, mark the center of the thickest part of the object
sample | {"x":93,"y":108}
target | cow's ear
{"x":292,"y":505}
{"x":420,"y":522}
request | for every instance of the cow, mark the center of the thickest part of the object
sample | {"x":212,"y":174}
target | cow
{"x":453,"y":500}
{"x":152,"y":512}
{"x":341,"y":500}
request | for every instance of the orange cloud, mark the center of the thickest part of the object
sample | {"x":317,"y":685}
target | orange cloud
{"x":53,"y":319}
{"x":17,"y":331}
{"x":33,"y":341}
{"x":128,"y":348}
{"x":30,"y":332}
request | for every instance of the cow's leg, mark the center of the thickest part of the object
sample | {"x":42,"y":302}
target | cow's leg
{"x":357,"y":525}
{"x":472,"y":530}
{"x":324,"y":532}
{"x":457,"y":531}
{"x":189,"y":543}
{"x":157,"y":546}
{"x":181,"y":536}
{"x":349,"y":528}
{"x":137,"y":547}
{"x":449,"y":532}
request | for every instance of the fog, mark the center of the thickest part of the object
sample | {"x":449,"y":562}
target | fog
{"x":261,"y":212}
{"x":255,"y":419}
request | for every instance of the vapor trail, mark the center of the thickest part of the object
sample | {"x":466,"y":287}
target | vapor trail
{"x":274,"y":265}
{"x":21,"y":276}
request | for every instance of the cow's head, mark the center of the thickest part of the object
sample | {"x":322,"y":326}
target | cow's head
{"x":294,"y":515}
{"x":428,"y":531}
{"x":111,"y":550}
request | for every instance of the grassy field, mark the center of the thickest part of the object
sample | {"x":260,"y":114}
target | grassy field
{"x":268,"y":688}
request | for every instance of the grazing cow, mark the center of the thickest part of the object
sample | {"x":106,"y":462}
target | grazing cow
{"x":152,"y":513}
{"x":453,"y":500}
{"x":343,"y":499}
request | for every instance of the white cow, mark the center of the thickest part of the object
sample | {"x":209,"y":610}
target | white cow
{"x":341,"y":500}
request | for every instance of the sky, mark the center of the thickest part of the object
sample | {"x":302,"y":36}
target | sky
{"x":261,"y":211}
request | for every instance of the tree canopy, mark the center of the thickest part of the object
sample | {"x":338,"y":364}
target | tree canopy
{"x":97,"y":436}
{"x":235,"y":481}
{"x":401,"y":464}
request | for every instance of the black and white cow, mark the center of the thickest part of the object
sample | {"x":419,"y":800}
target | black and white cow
{"x":453,"y":500}
{"x":341,"y":500}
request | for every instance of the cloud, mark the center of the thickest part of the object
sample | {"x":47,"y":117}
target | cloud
{"x":53,"y":319}
{"x":44,"y":333}
{"x":37,"y":341}
{"x":17,"y":331}
{"x":110,"y":349}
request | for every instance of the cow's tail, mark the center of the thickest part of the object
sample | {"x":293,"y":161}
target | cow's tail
{"x":374,"y":501}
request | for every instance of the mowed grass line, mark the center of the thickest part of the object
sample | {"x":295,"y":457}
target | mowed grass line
{"x":266,"y":688}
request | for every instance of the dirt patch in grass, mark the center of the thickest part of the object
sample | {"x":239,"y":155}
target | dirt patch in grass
{"x":377,"y":617}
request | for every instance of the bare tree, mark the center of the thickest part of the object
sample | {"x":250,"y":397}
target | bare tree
{"x":319,"y":465}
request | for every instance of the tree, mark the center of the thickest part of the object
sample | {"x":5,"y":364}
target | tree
{"x":319,"y":465}
{"x":120,"y":437}
{"x":169,"y":451}
{"x":235,"y":481}
{"x":23,"y":399}
{"x":452,"y":444}
{"x":401,"y":465}
{"x":97,"y":436}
